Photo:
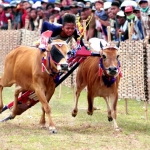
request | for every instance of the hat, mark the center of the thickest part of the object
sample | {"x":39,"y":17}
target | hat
{"x":107,"y":5}
{"x":128,"y":9}
{"x":73,"y":4}
{"x":80,"y":4}
{"x":88,"y":5}
{"x":57,"y":2}
{"x":56,"y":9}
{"x":23,"y":1}
{"x":99,"y":1}
{"x":137,"y":8}
{"x":121,"y":13}
{"x":141,"y":1}
{"x":44,"y":1}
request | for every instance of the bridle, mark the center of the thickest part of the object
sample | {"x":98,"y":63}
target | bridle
{"x":52,"y":72}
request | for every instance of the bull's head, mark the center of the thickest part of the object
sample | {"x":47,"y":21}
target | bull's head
{"x":58,"y":50}
{"x":109,"y":60}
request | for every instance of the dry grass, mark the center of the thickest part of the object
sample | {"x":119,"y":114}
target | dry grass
{"x":81,"y":133}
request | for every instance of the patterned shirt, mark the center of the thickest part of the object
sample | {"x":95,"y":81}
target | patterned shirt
{"x":145,"y":18}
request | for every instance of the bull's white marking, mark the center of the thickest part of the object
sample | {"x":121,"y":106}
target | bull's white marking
{"x":95,"y":44}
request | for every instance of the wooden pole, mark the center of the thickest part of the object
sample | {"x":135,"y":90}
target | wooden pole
{"x":9,"y":24}
{"x":40,"y":24}
{"x":120,"y":34}
{"x":129,"y":30}
{"x":109,"y":34}
{"x":126,"y":106}
{"x":84,"y":31}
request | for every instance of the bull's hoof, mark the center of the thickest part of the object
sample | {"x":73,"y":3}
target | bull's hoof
{"x":110,"y":119}
{"x":52,"y":130}
{"x":90,"y":113}
{"x":118,"y":129}
{"x":42,"y":126}
{"x":74,"y":113}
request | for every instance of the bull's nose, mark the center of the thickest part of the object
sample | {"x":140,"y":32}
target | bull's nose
{"x":112,"y":70}
{"x":64,"y":67}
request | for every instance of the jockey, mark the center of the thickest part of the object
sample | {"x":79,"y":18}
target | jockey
{"x":64,"y":31}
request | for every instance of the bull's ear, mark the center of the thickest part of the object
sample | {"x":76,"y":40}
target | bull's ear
{"x":101,"y":46}
{"x":118,"y":44}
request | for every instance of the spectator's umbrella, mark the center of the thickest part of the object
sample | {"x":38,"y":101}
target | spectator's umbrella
{"x":128,"y":3}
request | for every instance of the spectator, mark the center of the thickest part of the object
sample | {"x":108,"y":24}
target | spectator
{"x":17,"y":11}
{"x":40,"y":13}
{"x":115,"y":7}
{"x":26,"y":9}
{"x":91,"y":25}
{"x":102,"y":17}
{"x":137,"y":12}
{"x":3,"y":18}
{"x":123,"y":26}
{"x":49,"y":8}
{"x":145,"y":17}
{"x":44,"y":4}
{"x":137,"y":34}
{"x":34,"y":22}
{"x":73,"y":8}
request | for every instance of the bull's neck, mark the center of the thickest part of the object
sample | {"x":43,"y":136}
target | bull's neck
{"x":108,"y":80}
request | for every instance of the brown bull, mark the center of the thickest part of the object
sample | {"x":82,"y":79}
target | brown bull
{"x":23,"y":67}
{"x":100,"y":81}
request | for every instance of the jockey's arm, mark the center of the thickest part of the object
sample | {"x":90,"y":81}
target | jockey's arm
{"x":56,"y":29}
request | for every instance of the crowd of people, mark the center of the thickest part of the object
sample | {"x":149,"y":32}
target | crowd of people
{"x":98,"y":14}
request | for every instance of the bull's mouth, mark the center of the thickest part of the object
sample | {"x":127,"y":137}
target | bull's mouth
{"x":62,"y":67}
{"x":112,"y":72}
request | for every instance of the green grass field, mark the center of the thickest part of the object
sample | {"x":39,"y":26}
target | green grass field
{"x":80,"y":133}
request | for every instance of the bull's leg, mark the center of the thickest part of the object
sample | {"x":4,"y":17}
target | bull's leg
{"x":42,"y":98}
{"x":42,"y":120}
{"x":1,"y":102}
{"x":18,"y":90}
{"x":108,"y":109}
{"x":114,"y":100}
{"x":90,"y":103}
{"x":78,"y":91}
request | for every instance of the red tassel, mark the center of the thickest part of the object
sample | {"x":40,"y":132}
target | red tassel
{"x":120,"y":73}
{"x":100,"y":71}
{"x":44,"y":63}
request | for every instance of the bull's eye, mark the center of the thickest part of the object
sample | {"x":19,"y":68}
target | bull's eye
{"x":104,"y":56}
{"x":118,"y":57}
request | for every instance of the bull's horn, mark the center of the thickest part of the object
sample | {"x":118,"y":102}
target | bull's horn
{"x":118,"y":44}
{"x":101,"y":46}
{"x":50,"y":41}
